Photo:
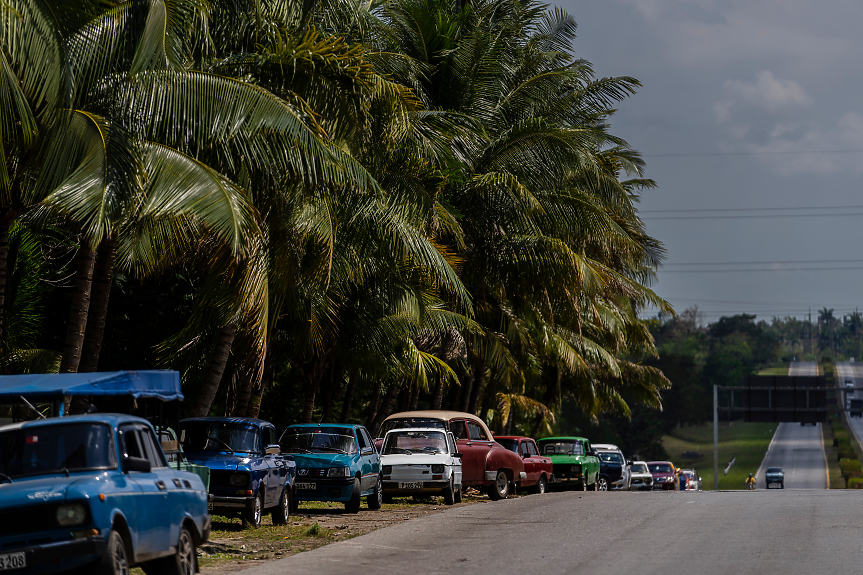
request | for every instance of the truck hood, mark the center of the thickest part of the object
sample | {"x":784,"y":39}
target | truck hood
{"x":219,"y":461}
{"x":322,"y":460}
{"x":46,"y":489}
{"x":416,"y":459}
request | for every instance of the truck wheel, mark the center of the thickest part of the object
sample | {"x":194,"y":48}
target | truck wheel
{"x":376,"y":499}
{"x":542,"y":485}
{"x":282,"y":511}
{"x":353,"y":506}
{"x":449,"y":494}
{"x":500,"y":489}
{"x":252,"y":515}
{"x":181,"y":563}
{"x":116,"y":559}
{"x":601,"y":484}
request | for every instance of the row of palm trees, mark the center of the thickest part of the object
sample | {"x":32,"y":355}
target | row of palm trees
{"x":386,"y":204}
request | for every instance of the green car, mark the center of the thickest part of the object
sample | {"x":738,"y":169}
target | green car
{"x":575,"y":462}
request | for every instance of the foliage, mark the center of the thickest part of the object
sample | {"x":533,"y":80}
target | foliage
{"x":851,"y":468}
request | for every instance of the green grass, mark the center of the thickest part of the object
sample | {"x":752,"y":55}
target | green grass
{"x":746,"y":441}
{"x":774,"y":371}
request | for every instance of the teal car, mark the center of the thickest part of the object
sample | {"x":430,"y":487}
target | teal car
{"x":335,"y":462}
{"x":574,"y":461}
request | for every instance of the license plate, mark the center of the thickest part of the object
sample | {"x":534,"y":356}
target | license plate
{"x":12,"y":561}
{"x":308,"y":486}
{"x":414,"y":485}
{"x":210,"y":506}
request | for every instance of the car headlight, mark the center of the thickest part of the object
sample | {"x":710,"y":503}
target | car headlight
{"x":339,"y":472}
{"x":239,"y":479}
{"x":387,"y":469}
{"x":71,"y":514}
{"x":437,"y":468}
{"x":575,"y":468}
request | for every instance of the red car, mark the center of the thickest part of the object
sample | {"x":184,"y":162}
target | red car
{"x":485,"y":463}
{"x":664,"y":475}
{"x":537,"y":469}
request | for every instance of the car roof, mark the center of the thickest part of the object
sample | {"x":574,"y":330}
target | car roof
{"x":113,"y":419}
{"x":250,"y":420}
{"x":343,"y":425}
{"x":568,"y":437}
{"x":668,"y":462}
{"x":411,"y":429}
{"x":435,"y":414}
{"x":496,"y":437}
{"x":605,"y":446}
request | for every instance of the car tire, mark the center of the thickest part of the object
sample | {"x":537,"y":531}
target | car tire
{"x":500,"y":488}
{"x":601,"y":484}
{"x":183,"y":562}
{"x":116,"y":559}
{"x":353,"y":505}
{"x":253,"y":514}
{"x":282,"y":511}
{"x":782,"y":486}
{"x":458,"y":495}
{"x":541,"y":485}
{"x":449,"y":494}
{"x":376,"y":499}
{"x":583,"y":485}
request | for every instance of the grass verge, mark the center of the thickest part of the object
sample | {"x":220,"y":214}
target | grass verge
{"x":834,"y":474}
{"x":774,"y":371}
{"x":747,"y":442}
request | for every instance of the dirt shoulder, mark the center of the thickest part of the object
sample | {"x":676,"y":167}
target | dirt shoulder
{"x":232,"y":548}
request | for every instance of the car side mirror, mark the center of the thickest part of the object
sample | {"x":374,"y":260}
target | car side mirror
{"x":458,"y":455}
{"x":367,"y":451}
{"x":273,"y":450}
{"x":699,"y":479}
{"x":136,"y":464}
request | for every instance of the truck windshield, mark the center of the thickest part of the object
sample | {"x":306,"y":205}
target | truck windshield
{"x":407,"y":442}
{"x":44,"y":450}
{"x":222,"y":436}
{"x":318,"y":440}
{"x":561,"y":448}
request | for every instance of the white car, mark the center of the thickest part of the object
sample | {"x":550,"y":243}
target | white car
{"x":421,"y":461}
{"x":613,"y":471}
{"x":640,"y":478}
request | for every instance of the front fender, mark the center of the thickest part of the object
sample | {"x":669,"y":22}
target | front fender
{"x":501,"y":458}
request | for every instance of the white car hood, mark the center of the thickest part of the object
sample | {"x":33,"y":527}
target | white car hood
{"x":416,"y":459}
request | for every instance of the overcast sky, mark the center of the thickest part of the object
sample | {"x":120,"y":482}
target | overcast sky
{"x":752,"y":87}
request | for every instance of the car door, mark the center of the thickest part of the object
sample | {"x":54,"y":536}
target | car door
{"x":456,"y":461}
{"x":169,"y":486}
{"x":473,"y":459}
{"x":147,"y":531}
{"x":365,"y":459}
{"x":275,"y":467}
{"x":529,"y":464}
{"x":540,"y":463}
{"x":371,"y":461}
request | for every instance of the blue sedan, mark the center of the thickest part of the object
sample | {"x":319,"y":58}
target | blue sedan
{"x":335,"y":462}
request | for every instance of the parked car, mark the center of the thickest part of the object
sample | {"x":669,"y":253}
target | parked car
{"x":613,"y":471}
{"x":485,"y":463}
{"x":248,"y":473}
{"x":538,"y":469}
{"x":421,"y":461}
{"x":574,"y":461}
{"x":664,"y":475}
{"x":640,"y":478}
{"x":693,"y":481}
{"x":95,"y":493}
{"x":774,"y":476}
{"x":335,"y":462}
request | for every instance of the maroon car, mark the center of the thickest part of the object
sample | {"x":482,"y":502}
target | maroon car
{"x":664,"y":475}
{"x":537,"y":468}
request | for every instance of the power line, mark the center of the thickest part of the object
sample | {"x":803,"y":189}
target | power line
{"x":786,"y":153}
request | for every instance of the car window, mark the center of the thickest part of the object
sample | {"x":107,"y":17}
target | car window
{"x":450,"y":441}
{"x":525,"y":451}
{"x":407,"y":441}
{"x":610,"y":457}
{"x":364,"y":444}
{"x":131,"y":443}
{"x":154,"y":452}
{"x":531,"y":446}
{"x":476,"y":432}
{"x":270,"y":436}
{"x":458,"y":428}
{"x":368,"y":437}
{"x":565,"y":447}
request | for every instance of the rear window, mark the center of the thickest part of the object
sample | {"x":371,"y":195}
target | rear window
{"x":610,"y":457}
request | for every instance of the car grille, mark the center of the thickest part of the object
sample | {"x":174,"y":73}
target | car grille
{"x":221,"y":478}
{"x":310,"y":473}
{"x":27,"y":519}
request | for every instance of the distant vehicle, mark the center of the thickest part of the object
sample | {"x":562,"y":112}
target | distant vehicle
{"x":538,"y":469}
{"x":575,"y":462}
{"x":94,"y":493}
{"x":849,"y":382}
{"x":335,"y":462}
{"x":613,"y":471}
{"x":421,"y":461}
{"x":248,"y":473}
{"x":855,"y":407}
{"x":640,"y":478}
{"x":693,"y":481}
{"x":664,"y":475}
{"x":775,"y":476}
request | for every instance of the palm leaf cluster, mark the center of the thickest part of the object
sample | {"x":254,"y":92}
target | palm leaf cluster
{"x":382,"y":205}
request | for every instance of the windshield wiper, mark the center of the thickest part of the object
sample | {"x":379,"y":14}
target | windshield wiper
{"x":6,"y":477}
{"x":432,"y":449}
{"x":336,"y":449}
{"x":298,"y":450}
{"x":226,"y":444}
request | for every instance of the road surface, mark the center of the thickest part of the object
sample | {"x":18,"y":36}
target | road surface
{"x":798,"y":450}
{"x":803,"y":368}
{"x":613,"y":533}
{"x":854,"y":370}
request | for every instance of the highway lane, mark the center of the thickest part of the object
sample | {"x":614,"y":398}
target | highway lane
{"x":798,"y":450}
{"x":853,"y":371}
{"x":803,"y":368}
{"x":709,"y":533}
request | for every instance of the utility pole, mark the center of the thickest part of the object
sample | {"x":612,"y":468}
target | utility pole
{"x":715,"y":438}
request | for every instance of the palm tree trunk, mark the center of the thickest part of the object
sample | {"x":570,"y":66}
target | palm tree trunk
{"x":437,"y":395}
{"x":253,"y":406}
{"x":415,"y":398}
{"x":5,"y":224}
{"x":387,"y":407}
{"x":213,"y":378}
{"x":349,"y":399}
{"x":312,"y":384}
{"x":477,"y":386}
{"x":468,"y":387}
{"x":77,"y":323}
{"x":373,"y":406}
{"x":103,"y":276}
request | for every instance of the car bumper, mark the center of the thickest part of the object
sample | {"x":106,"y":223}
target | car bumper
{"x":663,"y":486}
{"x":326,"y":490}
{"x":428,"y":487}
{"x":641,"y":485}
{"x":59,"y":557}
{"x":230,"y":504}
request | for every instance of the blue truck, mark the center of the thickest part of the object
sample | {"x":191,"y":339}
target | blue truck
{"x":248,"y":473}
{"x":95,"y":492}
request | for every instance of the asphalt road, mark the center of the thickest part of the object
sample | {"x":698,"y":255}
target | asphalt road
{"x":803,"y":368}
{"x":855,"y":372}
{"x":799,"y":452}
{"x":787,"y":532}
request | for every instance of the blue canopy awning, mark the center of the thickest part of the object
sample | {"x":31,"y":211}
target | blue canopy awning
{"x":160,"y":384}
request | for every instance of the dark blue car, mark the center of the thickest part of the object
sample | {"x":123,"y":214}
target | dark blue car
{"x":335,"y":462}
{"x":248,"y":474}
{"x":95,"y":492}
